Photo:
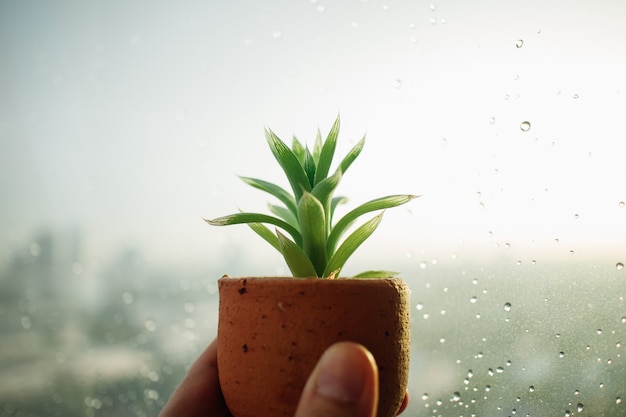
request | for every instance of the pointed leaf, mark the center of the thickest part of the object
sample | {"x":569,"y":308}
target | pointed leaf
{"x":244,"y":218}
{"x":266,"y":234}
{"x":336,"y":201}
{"x":327,"y":153}
{"x":309,"y":166}
{"x":352,"y":242}
{"x":299,"y":264}
{"x":376,"y":274}
{"x":312,"y":227}
{"x":273,"y":189}
{"x":317,"y":149}
{"x":377,"y":204}
{"x":290,"y":164}
{"x":323,"y":191}
{"x":284,"y":214}
{"x":352,"y":155}
{"x":298,"y":150}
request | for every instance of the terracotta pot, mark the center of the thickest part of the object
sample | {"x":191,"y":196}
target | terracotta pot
{"x":272,"y":331}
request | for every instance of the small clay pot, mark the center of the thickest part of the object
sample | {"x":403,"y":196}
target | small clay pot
{"x":272,"y":331}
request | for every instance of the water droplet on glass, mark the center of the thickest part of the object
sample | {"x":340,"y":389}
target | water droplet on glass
{"x":127,"y":298}
{"x":621,"y":204}
{"x":519,"y":43}
{"x":150,"y":325}
{"x":433,"y":7}
{"x":576,"y":216}
{"x":575,"y":96}
{"x":151,"y":394}
{"x":26,"y":322}
{"x":35,"y":249}
{"x":473,"y":300}
{"x":397,"y":83}
{"x":492,"y":121}
{"x":525,"y":126}
{"x":599,"y":332}
{"x":456,"y":397}
{"x":531,"y":388}
{"x":419,"y":306}
{"x":619,"y":266}
{"x":507,"y":307}
{"x":425,"y":396}
{"x":623,"y":320}
{"x":561,"y":355}
{"x":618,"y":400}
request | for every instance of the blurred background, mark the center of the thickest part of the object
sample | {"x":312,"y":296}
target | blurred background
{"x":124,"y":123}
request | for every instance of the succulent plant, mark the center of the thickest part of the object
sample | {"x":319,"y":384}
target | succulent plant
{"x":311,"y":242}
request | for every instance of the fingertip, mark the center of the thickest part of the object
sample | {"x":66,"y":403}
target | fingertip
{"x":344,"y":383}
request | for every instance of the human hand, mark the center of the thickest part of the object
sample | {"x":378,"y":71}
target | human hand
{"x":343,"y":384}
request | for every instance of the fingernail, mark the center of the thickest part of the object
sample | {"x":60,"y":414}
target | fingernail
{"x":340,"y":377}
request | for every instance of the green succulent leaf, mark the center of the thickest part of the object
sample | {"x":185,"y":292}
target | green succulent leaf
{"x":323,"y":191}
{"x":309,"y":166}
{"x":317,"y":149}
{"x":266,"y":234}
{"x":327,"y":152}
{"x":298,"y":262}
{"x":298,"y":149}
{"x":313,"y":229}
{"x":352,"y":242}
{"x":246,"y":218}
{"x":285,"y":214}
{"x":377,"y":204}
{"x":376,"y":274}
{"x":352,"y":155}
{"x":280,"y":193}
{"x":335,"y":202}
{"x":290,"y":164}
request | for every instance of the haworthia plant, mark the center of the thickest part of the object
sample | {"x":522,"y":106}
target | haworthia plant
{"x":311,"y":242}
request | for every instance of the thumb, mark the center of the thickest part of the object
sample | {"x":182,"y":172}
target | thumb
{"x":343,"y":384}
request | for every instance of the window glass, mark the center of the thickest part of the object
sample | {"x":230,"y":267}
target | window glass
{"x":123,"y":124}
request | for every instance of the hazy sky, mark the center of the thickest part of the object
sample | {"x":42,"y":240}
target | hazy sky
{"x":131,"y":119}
